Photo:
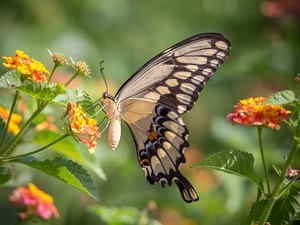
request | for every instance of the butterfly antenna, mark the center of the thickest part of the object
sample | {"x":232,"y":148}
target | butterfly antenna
{"x":102,"y":74}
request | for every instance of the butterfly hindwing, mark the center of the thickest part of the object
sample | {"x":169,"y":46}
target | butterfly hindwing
{"x":160,"y":144}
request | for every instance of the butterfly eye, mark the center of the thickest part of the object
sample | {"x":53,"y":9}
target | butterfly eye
{"x":105,"y":95}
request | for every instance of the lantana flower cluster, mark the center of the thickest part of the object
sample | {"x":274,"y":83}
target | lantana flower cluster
{"x":83,"y":127}
{"x":32,"y":202}
{"x":251,"y":112}
{"x":30,"y":68}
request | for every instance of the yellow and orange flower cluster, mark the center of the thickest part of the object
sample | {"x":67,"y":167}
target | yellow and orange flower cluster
{"x":30,"y":68}
{"x":14,"y":122}
{"x":32,"y":202}
{"x":83,"y":127}
{"x":251,"y":112}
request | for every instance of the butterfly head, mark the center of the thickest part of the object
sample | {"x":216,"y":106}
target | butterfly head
{"x":107,"y":96}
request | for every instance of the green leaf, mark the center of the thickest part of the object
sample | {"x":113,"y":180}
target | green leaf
{"x":293,"y":118}
{"x":79,"y":95}
{"x":122,"y":215}
{"x":43,"y":90}
{"x":71,"y":150}
{"x":11,"y":79}
{"x":281,"y":98}
{"x":5,"y":174}
{"x":287,"y":207}
{"x":39,"y":90}
{"x":58,"y":89}
{"x":65,"y":170}
{"x":255,"y":213}
{"x":233,"y":162}
{"x":113,"y":215}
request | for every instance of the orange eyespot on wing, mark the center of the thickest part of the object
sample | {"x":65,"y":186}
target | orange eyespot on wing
{"x":153,"y":135}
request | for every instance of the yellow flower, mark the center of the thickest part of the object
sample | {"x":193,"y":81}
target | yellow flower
{"x":15,"y":120}
{"x":30,"y":68}
{"x":44,"y":196}
{"x":83,"y":127}
{"x":251,"y":112}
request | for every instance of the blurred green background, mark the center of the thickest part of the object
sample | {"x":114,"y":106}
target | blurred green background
{"x":265,"y":57}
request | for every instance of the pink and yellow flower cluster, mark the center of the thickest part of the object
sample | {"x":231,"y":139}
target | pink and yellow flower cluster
{"x":30,"y":68}
{"x":32,"y":202}
{"x":83,"y":127}
{"x":251,"y":112}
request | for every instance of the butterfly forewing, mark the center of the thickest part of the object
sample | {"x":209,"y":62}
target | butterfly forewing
{"x":175,"y":77}
{"x":153,"y":99}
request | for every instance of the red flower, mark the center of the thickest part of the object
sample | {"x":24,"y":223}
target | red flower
{"x":251,"y":112}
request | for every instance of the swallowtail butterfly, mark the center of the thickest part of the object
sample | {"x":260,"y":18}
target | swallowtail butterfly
{"x":152,"y":100}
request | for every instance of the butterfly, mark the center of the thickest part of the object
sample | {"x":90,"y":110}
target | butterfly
{"x":153,"y":99}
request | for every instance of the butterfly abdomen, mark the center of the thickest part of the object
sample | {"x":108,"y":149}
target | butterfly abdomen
{"x":114,"y":131}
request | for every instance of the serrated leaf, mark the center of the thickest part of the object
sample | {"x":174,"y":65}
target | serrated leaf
{"x":81,"y":174}
{"x":293,"y":118}
{"x":59,"y":89}
{"x":255,"y":213}
{"x":233,"y":162}
{"x":70,"y":149}
{"x":5,"y":174}
{"x":65,"y":170}
{"x":60,"y":99}
{"x":80,"y":96}
{"x":39,"y":90}
{"x":11,"y":79}
{"x":287,"y":207}
{"x":281,"y":98}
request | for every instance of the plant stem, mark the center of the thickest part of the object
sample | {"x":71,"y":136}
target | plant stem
{"x":277,"y":189}
{"x":52,"y":72}
{"x":22,"y":130}
{"x":9,"y":117}
{"x":36,"y":151}
{"x":72,"y":78}
{"x":259,"y":128}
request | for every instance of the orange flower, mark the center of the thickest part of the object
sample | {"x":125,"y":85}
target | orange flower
{"x":15,"y":120}
{"x":32,"y":202}
{"x":30,"y":68}
{"x":251,"y":112}
{"x":83,"y":127}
